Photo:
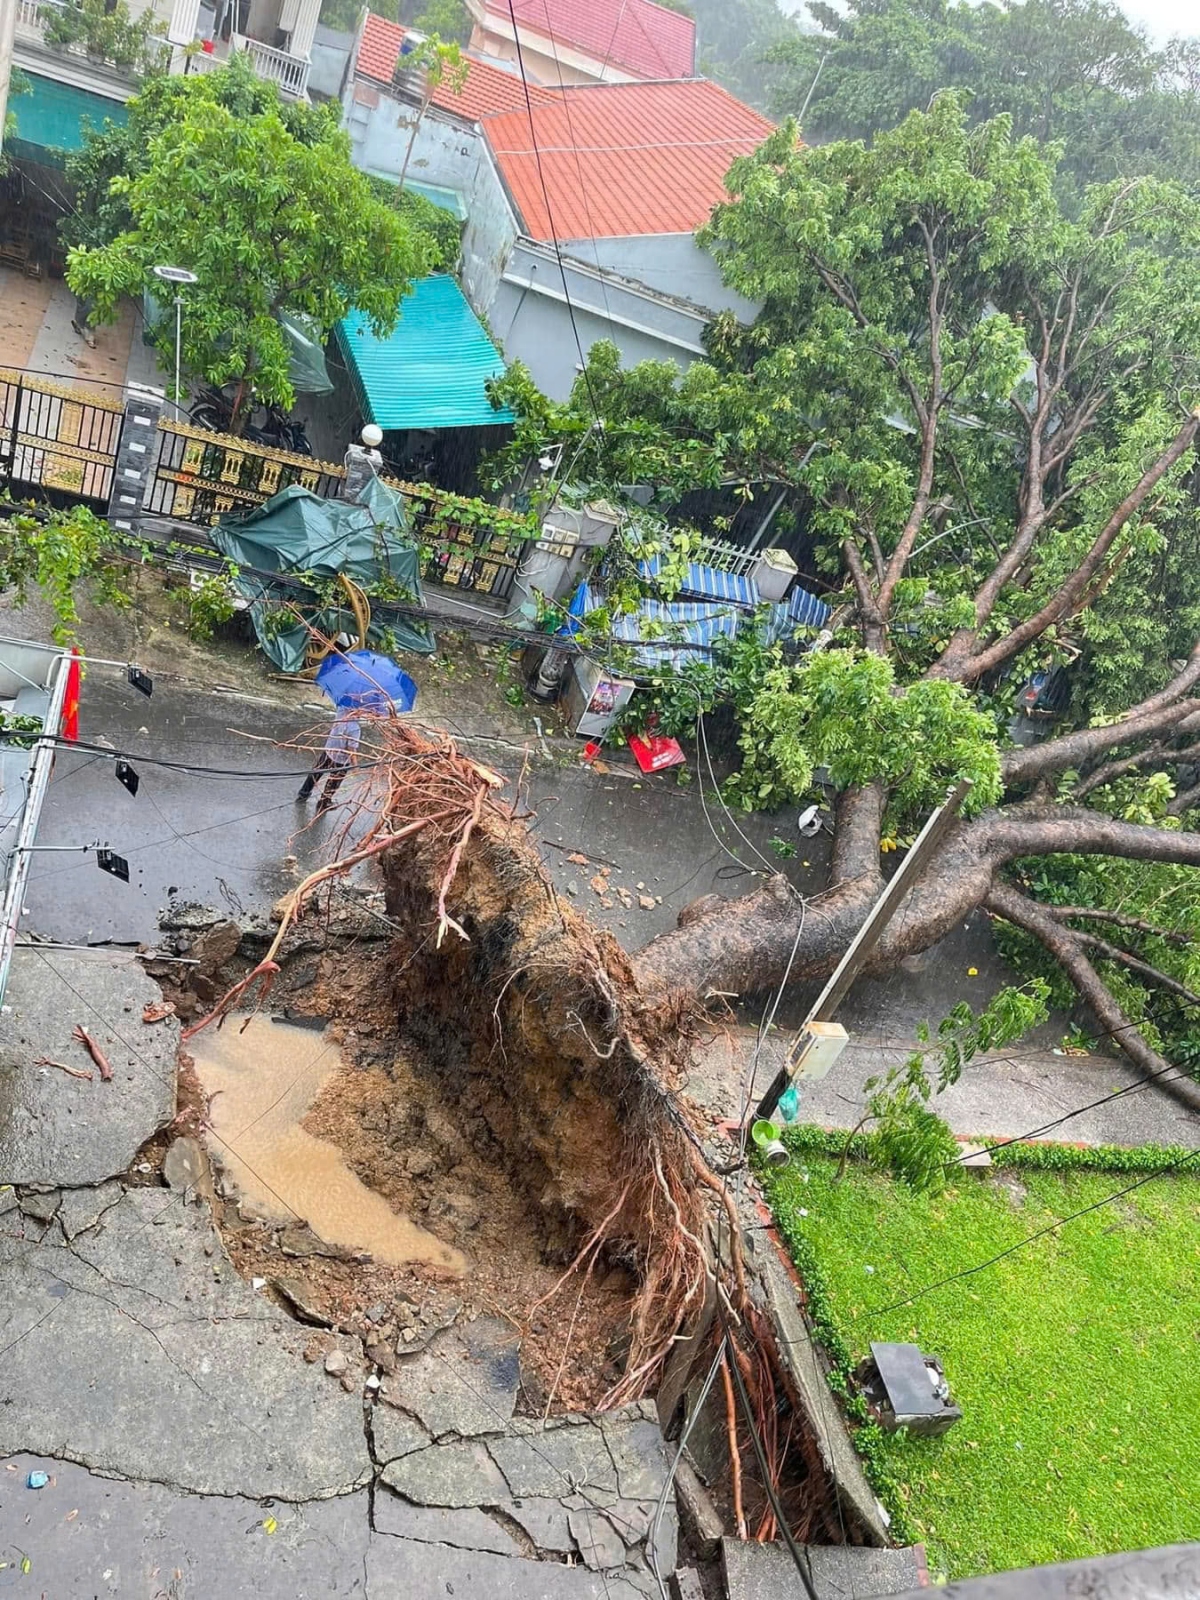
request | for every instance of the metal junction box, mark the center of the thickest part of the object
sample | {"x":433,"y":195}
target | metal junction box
{"x":906,"y":1389}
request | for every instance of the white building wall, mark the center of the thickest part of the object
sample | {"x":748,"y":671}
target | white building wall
{"x":448,"y":154}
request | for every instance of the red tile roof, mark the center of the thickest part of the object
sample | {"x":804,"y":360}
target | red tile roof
{"x":380,"y":48}
{"x":646,"y":39}
{"x":624,"y":159}
{"x":486,"y":89}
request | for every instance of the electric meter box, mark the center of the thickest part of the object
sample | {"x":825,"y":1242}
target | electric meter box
{"x":820,"y":1045}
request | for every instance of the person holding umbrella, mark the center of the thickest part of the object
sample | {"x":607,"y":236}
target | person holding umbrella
{"x":357,"y":681}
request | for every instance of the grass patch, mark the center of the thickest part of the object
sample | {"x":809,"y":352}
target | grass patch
{"x":1074,"y":1360}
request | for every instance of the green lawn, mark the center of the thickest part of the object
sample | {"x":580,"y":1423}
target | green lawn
{"x":1076,"y":1361}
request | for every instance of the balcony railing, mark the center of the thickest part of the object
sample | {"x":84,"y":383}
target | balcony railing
{"x":275,"y":66}
{"x":33,"y":15}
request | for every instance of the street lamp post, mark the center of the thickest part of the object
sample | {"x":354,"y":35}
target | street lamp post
{"x":180,"y":277}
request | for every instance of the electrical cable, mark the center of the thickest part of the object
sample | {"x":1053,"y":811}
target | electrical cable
{"x":684,"y":1435}
{"x":1096,"y":1205}
{"x":537,"y":155}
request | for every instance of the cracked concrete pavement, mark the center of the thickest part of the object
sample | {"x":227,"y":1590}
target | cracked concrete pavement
{"x":187,"y":1442}
{"x":166,"y":1399}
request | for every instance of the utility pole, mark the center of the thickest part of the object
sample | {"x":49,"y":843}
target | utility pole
{"x":817,"y":1045}
{"x":8,"y":34}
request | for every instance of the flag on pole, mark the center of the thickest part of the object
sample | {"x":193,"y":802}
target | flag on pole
{"x":70,"y":716}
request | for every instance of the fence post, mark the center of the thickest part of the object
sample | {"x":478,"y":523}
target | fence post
{"x":137,"y":454}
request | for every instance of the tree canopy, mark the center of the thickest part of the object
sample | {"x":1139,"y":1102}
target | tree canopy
{"x":260,"y":201}
{"x":989,"y":403}
{"x":1074,"y":71}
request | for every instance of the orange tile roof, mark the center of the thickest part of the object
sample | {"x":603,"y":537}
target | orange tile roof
{"x":380,"y":48}
{"x":623,"y":159}
{"x":487,"y":88}
{"x":649,"y":40}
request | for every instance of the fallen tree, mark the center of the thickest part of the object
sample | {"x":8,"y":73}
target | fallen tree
{"x":990,"y":410}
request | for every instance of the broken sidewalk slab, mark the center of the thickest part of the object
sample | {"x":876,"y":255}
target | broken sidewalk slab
{"x":58,"y":1129}
{"x":599,"y":1543}
{"x":461,"y":1473}
{"x":130,"y":1538}
{"x":544,"y":1522}
{"x":466,"y":1528}
{"x":166,"y":1366}
{"x":81,"y":1209}
{"x":403,"y":1569}
{"x":767,"y":1571}
{"x":464,"y":1382}
{"x":395,"y":1434}
{"x":560,"y":1461}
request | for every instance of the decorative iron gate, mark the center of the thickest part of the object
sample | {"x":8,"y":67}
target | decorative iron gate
{"x":57,"y":444}
{"x":464,"y":548}
{"x":200,"y":476}
{"x":61,"y":445}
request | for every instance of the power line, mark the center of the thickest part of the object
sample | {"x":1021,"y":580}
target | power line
{"x":981,"y":1266}
{"x":537,"y":155}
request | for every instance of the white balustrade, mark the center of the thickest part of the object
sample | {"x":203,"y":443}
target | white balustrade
{"x":275,"y":66}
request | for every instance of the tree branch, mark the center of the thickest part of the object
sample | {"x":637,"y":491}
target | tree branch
{"x":1027,"y":762}
{"x":1055,"y":830}
{"x":1118,"y":920}
{"x":1143,"y":969}
{"x":1066,"y":948}
{"x":1066,"y":600}
{"x":859,"y":824}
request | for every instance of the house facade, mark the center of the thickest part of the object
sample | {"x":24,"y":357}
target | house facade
{"x":584,"y":41}
{"x":580,"y":205}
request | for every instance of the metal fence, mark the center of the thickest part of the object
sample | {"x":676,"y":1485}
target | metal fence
{"x":56,"y":443}
{"x":61,"y":445}
{"x":466,"y":549}
{"x":200,"y":476}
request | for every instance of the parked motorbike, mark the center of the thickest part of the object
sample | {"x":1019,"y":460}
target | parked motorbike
{"x":269,"y":425}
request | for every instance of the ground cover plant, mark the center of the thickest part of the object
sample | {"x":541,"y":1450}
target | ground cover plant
{"x":1072,"y":1358}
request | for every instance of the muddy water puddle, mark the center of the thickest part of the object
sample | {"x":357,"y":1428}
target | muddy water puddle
{"x":261,"y":1080}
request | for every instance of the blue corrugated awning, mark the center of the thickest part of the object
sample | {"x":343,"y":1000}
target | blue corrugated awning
{"x":431,"y":370}
{"x":708,"y":583}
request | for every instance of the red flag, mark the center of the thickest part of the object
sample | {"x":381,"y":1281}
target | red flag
{"x":70,"y":716}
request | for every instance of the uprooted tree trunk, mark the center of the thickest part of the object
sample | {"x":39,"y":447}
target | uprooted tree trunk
{"x":738,"y":946}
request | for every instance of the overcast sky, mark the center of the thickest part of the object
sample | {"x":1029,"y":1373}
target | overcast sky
{"x":1160,"y":18}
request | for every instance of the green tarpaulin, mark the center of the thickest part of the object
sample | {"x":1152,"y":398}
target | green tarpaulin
{"x":50,"y":119}
{"x":298,"y":531}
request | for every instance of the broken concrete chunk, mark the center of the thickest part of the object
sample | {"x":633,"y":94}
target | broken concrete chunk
{"x":638,"y":1455}
{"x":394,"y":1433}
{"x":185,"y":1166}
{"x":601,"y":1547}
{"x":300,"y":1302}
{"x":299,"y":1240}
{"x":215,"y":946}
{"x":81,"y":1209}
{"x":41,"y":1206}
{"x":465,"y":1382}
{"x":457,"y":1474}
{"x":465,"y":1529}
{"x":544,"y":1521}
{"x":556,"y":1463}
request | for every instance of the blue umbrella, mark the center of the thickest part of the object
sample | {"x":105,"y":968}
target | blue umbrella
{"x":363,"y":680}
